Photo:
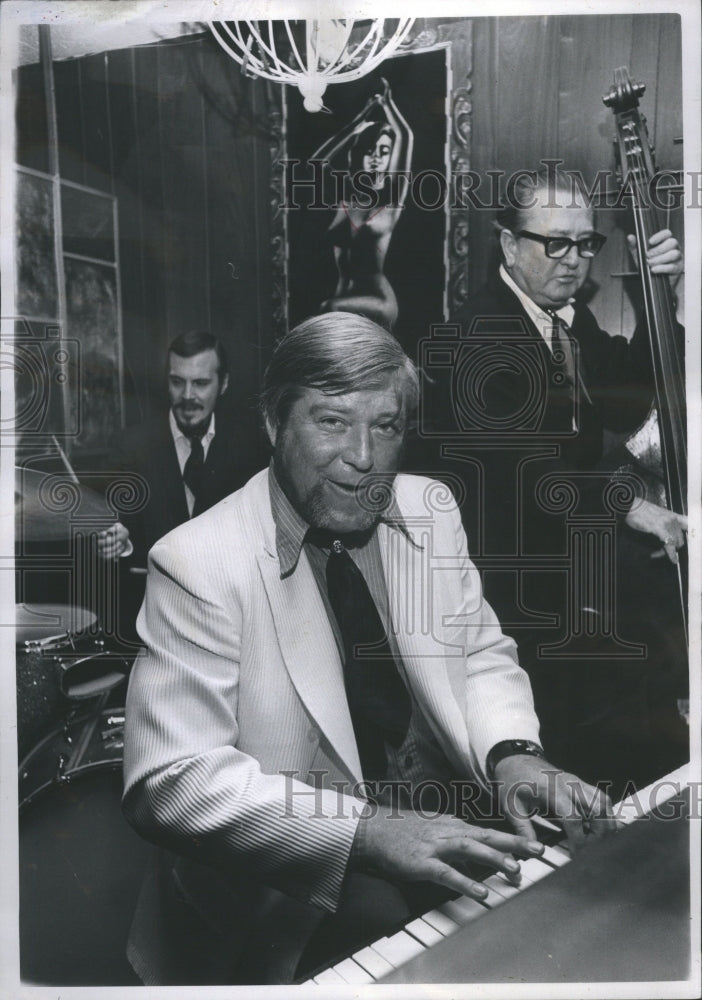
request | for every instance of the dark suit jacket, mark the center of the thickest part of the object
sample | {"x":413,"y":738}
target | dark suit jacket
{"x":499,"y":406}
{"x":550,"y":539}
{"x":511,"y":399}
{"x":149,"y":450}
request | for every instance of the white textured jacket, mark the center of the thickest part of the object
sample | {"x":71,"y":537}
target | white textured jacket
{"x":242,"y":682}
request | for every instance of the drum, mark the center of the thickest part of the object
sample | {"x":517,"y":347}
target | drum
{"x":81,"y":865}
{"x":61,"y":658}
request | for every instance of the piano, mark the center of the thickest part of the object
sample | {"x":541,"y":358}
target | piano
{"x":618,"y":912}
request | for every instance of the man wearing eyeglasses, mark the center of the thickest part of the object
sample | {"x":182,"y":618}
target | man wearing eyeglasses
{"x":536,"y":389}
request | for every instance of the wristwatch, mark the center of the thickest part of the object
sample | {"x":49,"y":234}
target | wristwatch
{"x":510,"y":748}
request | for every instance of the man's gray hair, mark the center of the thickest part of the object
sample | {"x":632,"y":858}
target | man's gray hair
{"x":336,"y":352}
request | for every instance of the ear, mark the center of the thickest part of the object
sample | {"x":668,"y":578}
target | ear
{"x":224,"y":386}
{"x":509,"y":246}
{"x":271,"y":431}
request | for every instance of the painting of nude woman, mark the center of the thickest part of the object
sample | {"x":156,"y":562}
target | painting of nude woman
{"x":358,"y":239}
{"x":377,"y":147}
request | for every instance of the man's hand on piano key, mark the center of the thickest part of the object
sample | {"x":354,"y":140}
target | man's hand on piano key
{"x":411,"y":847}
{"x":528,"y":784}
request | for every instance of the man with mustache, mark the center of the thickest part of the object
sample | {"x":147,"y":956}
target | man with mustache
{"x":323,"y":684}
{"x":187,"y":463}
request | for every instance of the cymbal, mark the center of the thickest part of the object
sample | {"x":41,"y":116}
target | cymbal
{"x":34,"y":622}
{"x":50,"y":507}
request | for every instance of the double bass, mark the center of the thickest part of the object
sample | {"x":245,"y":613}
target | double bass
{"x":639,"y":179}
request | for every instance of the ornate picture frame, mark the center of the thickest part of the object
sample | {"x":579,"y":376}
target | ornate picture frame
{"x":433,"y":202}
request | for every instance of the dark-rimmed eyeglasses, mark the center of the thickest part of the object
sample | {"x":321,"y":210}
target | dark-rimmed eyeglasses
{"x":559,"y":246}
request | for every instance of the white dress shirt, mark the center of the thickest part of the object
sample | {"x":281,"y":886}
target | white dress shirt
{"x":183,"y":447}
{"x":541,"y":319}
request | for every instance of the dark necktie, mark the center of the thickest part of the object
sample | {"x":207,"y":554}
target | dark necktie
{"x":193,"y":473}
{"x":561,"y":341}
{"x":379,"y":702}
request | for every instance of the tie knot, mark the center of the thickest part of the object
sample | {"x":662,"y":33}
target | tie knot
{"x":323,"y":539}
{"x":557,"y":320}
{"x":337,"y":542}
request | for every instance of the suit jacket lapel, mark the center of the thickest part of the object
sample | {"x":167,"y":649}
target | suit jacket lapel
{"x":408,"y":572}
{"x":166,"y":480}
{"x":307,"y":643}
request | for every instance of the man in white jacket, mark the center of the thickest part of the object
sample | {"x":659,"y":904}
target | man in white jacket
{"x":323,"y":685}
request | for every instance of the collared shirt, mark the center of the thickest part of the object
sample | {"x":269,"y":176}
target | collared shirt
{"x":408,"y":762}
{"x":539,"y":317}
{"x":182,"y":447}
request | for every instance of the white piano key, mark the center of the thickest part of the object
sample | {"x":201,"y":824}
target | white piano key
{"x":445,"y":919}
{"x":443,"y":924}
{"x":328,"y":978}
{"x":462,"y":910}
{"x":643,"y":801}
{"x":499,"y":884}
{"x":533,"y":870}
{"x":398,"y":948}
{"x":492,"y":899}
{"x":351,"y":972}
{"x":556,"y":856}
{"x":372,"y":962}
{"x":424,"y":932}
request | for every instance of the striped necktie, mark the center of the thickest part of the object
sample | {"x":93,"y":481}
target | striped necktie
{"x":561,"y":342}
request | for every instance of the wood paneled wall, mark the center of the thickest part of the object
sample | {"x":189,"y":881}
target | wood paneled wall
{"x":181,"y":138}
{"x":537,"y":93}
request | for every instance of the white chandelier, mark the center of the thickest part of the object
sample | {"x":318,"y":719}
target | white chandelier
{"x":317,"y":52}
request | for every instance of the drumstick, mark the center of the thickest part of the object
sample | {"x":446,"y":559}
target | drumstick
{"x":70,"y":470}
{"x":64,"y":459}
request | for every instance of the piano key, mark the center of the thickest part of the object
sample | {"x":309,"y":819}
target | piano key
{"x":645,"y":800}
{"x":534,"y":869}
{"x":398,"y":948}
{"x":556,"y":856}
{"x":444,"y":920}
{"x":499,"y":884}
{"x":351,"y":972}
{"x":328,"y":978}
{"x":372,"y":962}
{"x":462,"y":910}
{"x":424,"y":932}
{"x":443,"y":924}
{"x":492,"y":899}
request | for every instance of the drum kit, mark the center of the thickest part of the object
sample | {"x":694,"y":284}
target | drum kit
{"x":63,"y":663}
{"x":70,"y":743}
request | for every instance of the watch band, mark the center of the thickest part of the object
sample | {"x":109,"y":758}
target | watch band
{"x":510,"y":748}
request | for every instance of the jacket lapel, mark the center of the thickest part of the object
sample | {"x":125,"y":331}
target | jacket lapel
{"x":307,"y":642}
{"x":169,"y":482}
{"x":408,"y":572}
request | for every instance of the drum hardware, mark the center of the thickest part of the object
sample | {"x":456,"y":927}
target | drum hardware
{"x":113,"y":735}
{"x":62,"y":659}
{"x":61,"y":776}
{"x":74,"y":747}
